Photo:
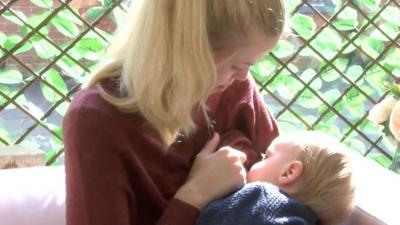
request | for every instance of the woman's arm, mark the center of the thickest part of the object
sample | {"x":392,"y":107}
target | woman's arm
{"x":98,"y":187}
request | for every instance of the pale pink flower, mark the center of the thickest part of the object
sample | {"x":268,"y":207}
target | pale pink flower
{"x":394,"y":121}
{"x":381,"y":111}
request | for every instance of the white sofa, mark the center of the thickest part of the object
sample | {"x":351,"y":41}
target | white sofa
{"x":36,"y":196}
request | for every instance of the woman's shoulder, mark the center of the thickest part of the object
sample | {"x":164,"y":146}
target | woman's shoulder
{"x":90,"y":99}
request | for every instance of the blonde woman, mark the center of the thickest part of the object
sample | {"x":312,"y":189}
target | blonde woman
{"x":305,"y":178}
{"x":141,"y":138}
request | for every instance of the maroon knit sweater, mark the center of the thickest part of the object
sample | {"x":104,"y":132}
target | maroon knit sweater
{"x":118,"y":173}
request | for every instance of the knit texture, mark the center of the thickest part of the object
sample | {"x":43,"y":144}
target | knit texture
{"x":257,"y":204}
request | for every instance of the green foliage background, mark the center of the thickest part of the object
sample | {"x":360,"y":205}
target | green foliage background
{"x":325,"y":75}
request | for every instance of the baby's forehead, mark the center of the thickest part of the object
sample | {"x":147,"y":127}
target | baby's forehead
{"x":284,"y":143}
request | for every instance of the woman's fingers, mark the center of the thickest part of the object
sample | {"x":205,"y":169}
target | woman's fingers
{"x":211,"y":145}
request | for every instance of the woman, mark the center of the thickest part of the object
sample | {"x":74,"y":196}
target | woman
{"x":137,"y":138}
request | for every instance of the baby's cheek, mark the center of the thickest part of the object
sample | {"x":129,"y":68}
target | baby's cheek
{"x":256,"y":172}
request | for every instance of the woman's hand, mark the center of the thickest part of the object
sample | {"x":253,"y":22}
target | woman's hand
{"x":213,"y":174}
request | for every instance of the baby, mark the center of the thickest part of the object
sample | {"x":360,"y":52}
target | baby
{"x":305,"y":178}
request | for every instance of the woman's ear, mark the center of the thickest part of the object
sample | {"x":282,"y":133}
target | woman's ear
{"x":291,"y":172}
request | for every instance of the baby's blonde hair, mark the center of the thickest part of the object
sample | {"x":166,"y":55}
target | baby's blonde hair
{"x":326,"y":184}
{"x":164,"y":59}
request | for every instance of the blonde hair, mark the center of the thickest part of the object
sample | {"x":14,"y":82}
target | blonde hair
{"x":164,"y":59}
{"x":326,"y":184}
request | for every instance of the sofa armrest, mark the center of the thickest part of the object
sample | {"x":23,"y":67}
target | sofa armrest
{"x":34,"y":196}
{"x":377,"y":194}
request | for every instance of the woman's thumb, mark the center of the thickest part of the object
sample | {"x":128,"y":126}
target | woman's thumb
{"x":211,"y":145}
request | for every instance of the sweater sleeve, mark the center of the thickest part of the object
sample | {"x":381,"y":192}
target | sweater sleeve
{"x":248,"y":126}
{"x":96,"y":183}
{"x":98,"y":188}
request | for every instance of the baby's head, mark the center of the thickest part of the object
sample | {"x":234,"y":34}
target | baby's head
{"x":313,"y":168}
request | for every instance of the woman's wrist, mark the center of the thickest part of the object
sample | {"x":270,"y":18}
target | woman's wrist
{"x":191,"y":195}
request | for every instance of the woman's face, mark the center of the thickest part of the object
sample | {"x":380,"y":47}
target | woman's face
{"x":233,"y":63}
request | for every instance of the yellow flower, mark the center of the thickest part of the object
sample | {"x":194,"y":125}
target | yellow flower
{"x":381,"y":111}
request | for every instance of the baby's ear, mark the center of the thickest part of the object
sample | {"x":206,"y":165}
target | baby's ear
{"x":290,"y":173}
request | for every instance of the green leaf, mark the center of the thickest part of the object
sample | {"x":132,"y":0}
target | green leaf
{"x":264,"y":69}
{"x":65,"y":27}
{"x":392,"y":15}
{"x":62,"y":108}
{"x":347,"y":20}
{"x":330,"y":116}
{"x":303,"y":25}
{"x":90,"y":48}
{"x":354,"y":98}
{"x":284,"y":49}
{"x":11,"y":17}
{"x":349,"y":49}
{"x":370,"y":5}
{"x":328,"y":128}
{"x":54,"y":79}
{"x":331,"y":95}
{"x":44,"y":49}
{"x":329,"y":74}
{"x":43,"y":3}
{"x":354,"y":72}
{"x":21,"y":100}
{"x":356,"y":111}
{"x":341,"y":64}
{"x":71,"y":69}
{"x":374,"y":77}
{"x":307,"y":75}
{"x":307,"y":99}
{"x":50,"y":155}
{"x":288,"y":86}
{"x":381,"y":159}
{"x":107,"y":3}
{"x":56,"y":129}
{"x":371,"y":46}
{"x":10,"y":77}
{"x":345,"y":25}
{"x":35,"y":21}
{"x":95,"y":12}
{"x":66,"y":14}
{"x":391,"y":61}
{"x":11,"y":41}
{"x":327,"y":42}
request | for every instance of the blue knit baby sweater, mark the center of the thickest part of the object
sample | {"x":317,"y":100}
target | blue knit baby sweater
{"x":257,"y":204}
